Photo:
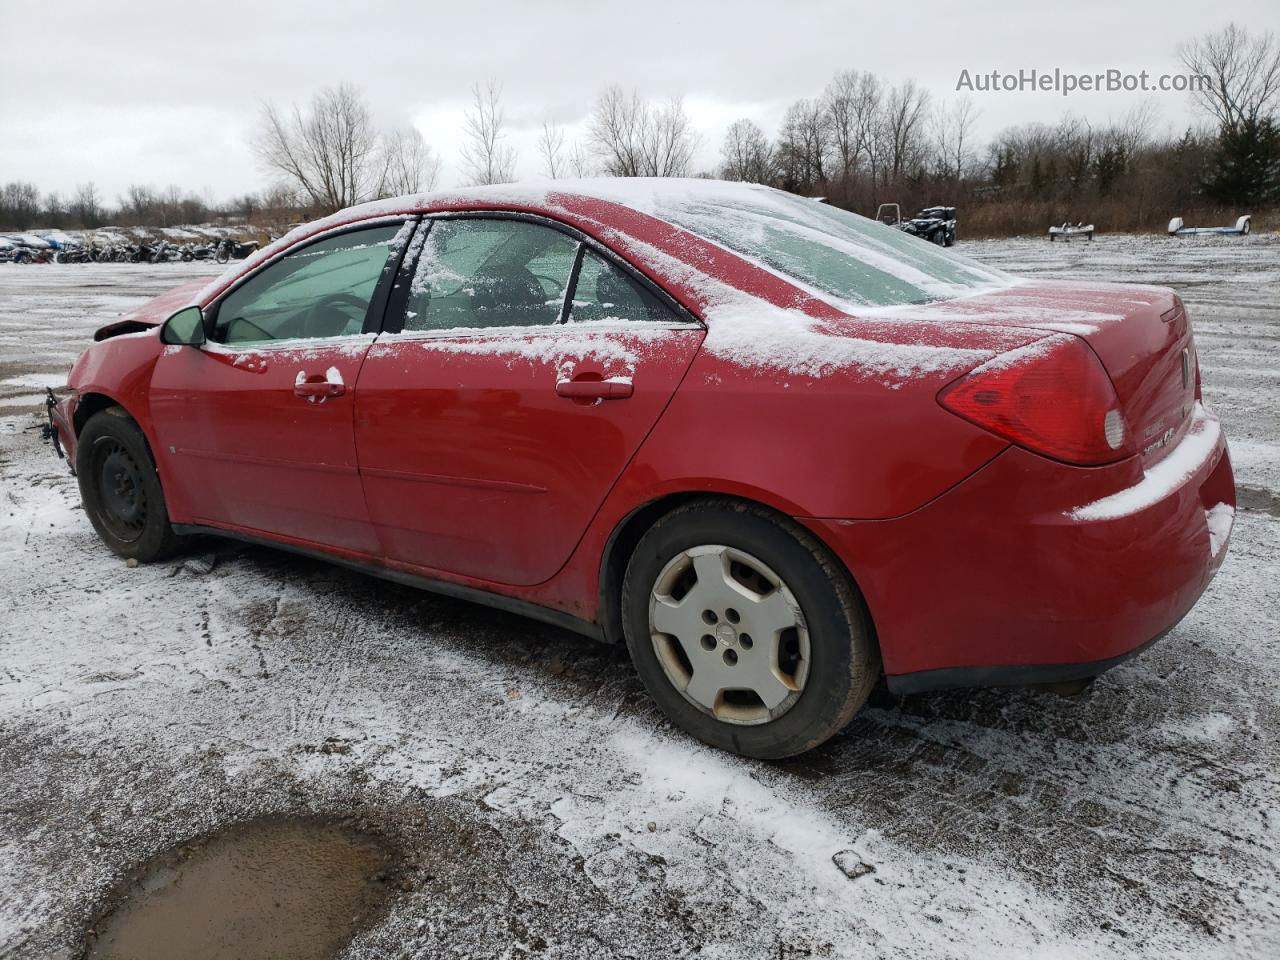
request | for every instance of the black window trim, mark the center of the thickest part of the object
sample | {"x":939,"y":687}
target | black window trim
{"x":396,"y":305}
{"x":373,"y":318}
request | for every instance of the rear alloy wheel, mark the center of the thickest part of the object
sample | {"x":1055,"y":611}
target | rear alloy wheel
{"x":121,"y":489}
{"x":729,"y":634}
{"x":745,"y":630}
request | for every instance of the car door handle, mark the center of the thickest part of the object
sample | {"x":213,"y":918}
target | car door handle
{"x":317,"y":387}
{"x":594,"y":389}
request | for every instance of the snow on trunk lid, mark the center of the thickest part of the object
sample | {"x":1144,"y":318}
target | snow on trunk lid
{"x":1140,"y":333}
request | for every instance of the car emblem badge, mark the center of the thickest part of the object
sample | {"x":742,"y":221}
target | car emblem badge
{"x":726,"y":634}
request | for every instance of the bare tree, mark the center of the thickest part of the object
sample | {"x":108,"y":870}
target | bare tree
{"x":139,"y":203}
{"x":486,"y":158}
{"x":670,"y":140}
{"x":747,"y":153}
{"x":551,"y":146}
{"x":1243,"y":72}
{"x":804,"y":145}
{"x":953,"y":138}
{"x":580,"y":161}
{"x":407,"y":163}
{"x":170,"y":207}
{"x":852,"y":101}
{"x":633,"y":139}
{"x":19,"y":204}
{"x":86,"y":205}
{"x":329,"y":154}
{"x":54,"y":212}
{"x":617,"y":132}
{"x":902,"y":129}
{"x":1075,"y":143}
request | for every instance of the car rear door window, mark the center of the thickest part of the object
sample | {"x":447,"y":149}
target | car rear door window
{"x":490,"y":272}
{"x":606,"y":292}
{"x":322,"y":290}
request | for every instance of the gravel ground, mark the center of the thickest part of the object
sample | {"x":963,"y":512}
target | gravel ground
{"x":547,"y":808}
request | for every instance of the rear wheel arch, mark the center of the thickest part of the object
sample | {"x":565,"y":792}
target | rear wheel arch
{"x":629,"y":531}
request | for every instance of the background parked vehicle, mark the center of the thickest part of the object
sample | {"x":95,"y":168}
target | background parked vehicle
{"x":935,"y":224}
{"x":231,"y":249}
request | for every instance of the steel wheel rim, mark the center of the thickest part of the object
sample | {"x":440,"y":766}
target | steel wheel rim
{"x":724,"y":611}
{"x":122,"y":499}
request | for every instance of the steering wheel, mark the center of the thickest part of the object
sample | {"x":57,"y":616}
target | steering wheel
{"x":557,"y":286}
{"x":325,"y":318}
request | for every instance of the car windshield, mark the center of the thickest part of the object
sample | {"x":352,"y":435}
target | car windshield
{"x":836,"y":252}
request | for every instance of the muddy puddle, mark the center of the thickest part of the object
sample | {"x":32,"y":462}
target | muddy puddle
{"x":271,"y":888}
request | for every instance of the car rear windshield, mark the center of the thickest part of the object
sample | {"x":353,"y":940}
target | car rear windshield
{"x":831,"y":250}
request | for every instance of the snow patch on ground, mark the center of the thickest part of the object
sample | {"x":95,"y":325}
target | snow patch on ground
{"x":36,"y":380}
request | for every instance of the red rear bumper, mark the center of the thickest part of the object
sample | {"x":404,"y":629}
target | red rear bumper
{"x":995,"y":583}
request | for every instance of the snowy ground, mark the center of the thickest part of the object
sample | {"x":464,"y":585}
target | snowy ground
{"x":545,"y":804}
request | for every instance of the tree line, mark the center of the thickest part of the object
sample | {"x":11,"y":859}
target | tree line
{"x":859,"y":142}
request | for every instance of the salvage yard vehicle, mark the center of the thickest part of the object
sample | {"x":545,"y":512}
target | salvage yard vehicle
{"x":935,"y":224}
{"x":228,"y":248}
{"x":1068,"y":230}
{"x":1239,"y":229}
{"x":772,"y":447}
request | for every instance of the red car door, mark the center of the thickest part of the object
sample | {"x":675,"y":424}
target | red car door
{"x":528,"y":371}
{"x":256,"y":425}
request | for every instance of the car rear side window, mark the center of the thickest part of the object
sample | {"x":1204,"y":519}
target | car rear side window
{"x":322,"y":290}
{"x":490,"y":272}
{"x":604,"y":291}
{"x":831,"y":250}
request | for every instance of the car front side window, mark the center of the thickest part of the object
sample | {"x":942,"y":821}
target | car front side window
{"x":322,"y":290}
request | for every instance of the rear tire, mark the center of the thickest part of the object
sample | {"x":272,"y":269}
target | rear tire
{"x":121,"y":490}
{"x":828,"y":660}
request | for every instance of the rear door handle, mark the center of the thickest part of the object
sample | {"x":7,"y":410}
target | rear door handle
{"x":594,"y":389}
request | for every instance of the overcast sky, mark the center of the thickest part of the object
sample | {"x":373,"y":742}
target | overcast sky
{"x":170,"y":92}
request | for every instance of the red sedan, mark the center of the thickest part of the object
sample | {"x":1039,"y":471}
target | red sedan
{"x":774,"y":447}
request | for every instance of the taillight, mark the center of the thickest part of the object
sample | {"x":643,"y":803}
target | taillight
{"x":1052,"y":396}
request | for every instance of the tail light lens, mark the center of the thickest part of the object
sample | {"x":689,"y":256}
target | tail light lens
{"x":1052,"y":396}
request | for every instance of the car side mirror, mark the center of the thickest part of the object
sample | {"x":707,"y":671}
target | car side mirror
{"x":184,"y":329}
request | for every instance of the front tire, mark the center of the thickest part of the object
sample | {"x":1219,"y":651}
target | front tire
{"x":746,"y":630}
{"x":121,"y":490}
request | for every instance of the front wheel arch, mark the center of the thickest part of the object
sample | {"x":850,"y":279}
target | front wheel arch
{"x":90,"y":403}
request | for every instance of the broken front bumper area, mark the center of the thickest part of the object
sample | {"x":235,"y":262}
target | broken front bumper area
{"x":58,"y":408}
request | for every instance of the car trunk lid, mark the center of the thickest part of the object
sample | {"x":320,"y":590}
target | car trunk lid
{"x":1141,"y":334}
